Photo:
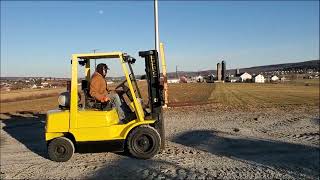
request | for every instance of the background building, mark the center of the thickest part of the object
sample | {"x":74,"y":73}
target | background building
{"x":223,"y":71}
{"x":219,"y":72}
{"x":245,"y":77}
{"x":274,"y":78}
{"x":259,"y":78}
{"x":200,"y":78}
{"x":237,"y":72}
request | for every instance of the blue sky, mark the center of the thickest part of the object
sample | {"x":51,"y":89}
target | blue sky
{"x":38,"y":38}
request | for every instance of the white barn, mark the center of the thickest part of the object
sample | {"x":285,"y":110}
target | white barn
{"x":245,"y":76}
{"x":259,"y":78}
{"x":274,"y":78}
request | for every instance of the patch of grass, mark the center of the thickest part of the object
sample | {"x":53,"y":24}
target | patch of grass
{"x":189,"y":93}
{"x":309,"y":82}
{"x":264,"y":95}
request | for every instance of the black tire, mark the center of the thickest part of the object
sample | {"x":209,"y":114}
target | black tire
{"x":60,"y":149}
{"x":143,"y":142}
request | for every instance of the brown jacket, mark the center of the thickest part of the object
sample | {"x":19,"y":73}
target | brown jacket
{"x":98,"y":86}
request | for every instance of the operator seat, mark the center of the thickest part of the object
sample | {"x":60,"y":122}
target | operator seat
{"x":91,"y":102}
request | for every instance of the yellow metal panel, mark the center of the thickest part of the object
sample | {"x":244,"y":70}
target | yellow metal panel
{"x":57,"y":121}
{"x":96,"y":125}
{"x":74,"y":93}
{"x":99,"y":55}
{"x":96,"y":133}
{"x":137,"y":105}
{"x":128,"y":127}
{"x":114,"y":132}
{"x":50,"y":136}
{"x":131,"y":106}
{"x":164,"y":73}
{"x":93,"y":119}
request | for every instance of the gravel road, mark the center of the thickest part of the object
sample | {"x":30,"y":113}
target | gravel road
{"x":202,"y":143}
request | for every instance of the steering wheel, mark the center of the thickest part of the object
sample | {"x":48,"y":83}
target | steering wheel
{"x":125,"y":89}
{"x":121,"y":84}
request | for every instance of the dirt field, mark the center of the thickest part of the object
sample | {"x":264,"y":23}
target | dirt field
{"x":233,"y":131}
{"x":18,"y":95}
{"x":248,"y":95}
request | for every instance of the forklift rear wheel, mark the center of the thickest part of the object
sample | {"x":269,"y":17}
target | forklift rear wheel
{"x":144,"y":142}
{"x":60,"y":149}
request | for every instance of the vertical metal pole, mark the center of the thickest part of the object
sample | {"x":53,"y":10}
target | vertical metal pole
{"x":157,"y":45}
{"x":177,"y":72}
{"x":95,"y":61}
{"x":156,"y":26}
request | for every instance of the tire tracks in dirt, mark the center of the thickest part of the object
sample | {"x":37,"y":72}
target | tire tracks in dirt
{"x":25,"y":170}
{"x":310,"y":137}
{"x":278,"y":124}
{"x":186,"y":155}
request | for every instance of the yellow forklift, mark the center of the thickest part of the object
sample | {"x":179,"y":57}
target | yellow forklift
{"x":74,"y":123}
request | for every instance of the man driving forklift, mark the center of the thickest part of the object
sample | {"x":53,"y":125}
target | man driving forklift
{"x":73,"y":123}
{"x":99,"y":91}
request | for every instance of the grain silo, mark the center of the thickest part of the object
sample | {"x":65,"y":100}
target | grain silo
{"x":237,"y":72}
{"x":219,"y":71}
{"x":223,"y":72}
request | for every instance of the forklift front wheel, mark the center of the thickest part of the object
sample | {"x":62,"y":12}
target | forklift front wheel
{"x":60,"y":149}
{"x":144,"y":142}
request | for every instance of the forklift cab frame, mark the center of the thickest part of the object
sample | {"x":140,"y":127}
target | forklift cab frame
{"x":84,"y":59}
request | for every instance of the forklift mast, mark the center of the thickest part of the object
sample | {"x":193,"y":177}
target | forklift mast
{"x":155,"y":90}
{"x":153,"y":78}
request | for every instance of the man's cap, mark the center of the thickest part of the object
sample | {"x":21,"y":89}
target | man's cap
{"x":102,"y":65}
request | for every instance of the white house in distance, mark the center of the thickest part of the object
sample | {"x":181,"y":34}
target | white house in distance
{"x":274,"y":78}
{"x":173,"y":81}
{"x":283,"y":79}
{"x":232,"y":79}
{"x":200,"y":78}
{"x":245,"y":76}
{"x":258,"y":78}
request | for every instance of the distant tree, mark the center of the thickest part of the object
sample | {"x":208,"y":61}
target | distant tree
{"x":293,"y":76}
{"x":18,"y":86}
{"x":38,"y":82}
{"x":248,"y":80}
{"x":143,"y":77}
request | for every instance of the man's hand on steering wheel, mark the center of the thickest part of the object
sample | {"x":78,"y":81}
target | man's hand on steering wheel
{"x":105,"y":99}
{"x":124,"y":90}
{"x":120,"y":89}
